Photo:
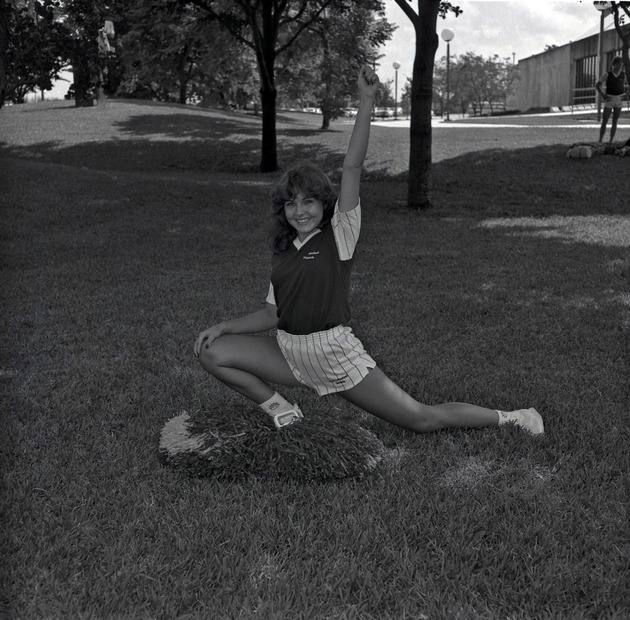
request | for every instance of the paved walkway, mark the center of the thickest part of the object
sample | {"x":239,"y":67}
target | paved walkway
{"x":524,"y":121}
{"x":439,"y":123}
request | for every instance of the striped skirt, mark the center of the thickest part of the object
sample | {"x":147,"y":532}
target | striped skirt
{"x":330,"y":361}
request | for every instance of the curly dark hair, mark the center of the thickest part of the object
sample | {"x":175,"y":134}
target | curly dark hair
{"x":309,"y":180}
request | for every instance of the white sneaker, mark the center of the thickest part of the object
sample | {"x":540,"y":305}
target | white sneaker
{"x":284,"y":418}
{"x":528,"y":419}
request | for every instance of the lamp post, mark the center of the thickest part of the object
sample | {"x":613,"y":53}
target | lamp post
{"x":448,"y":35}
{"x":604,"y":9}
{"x":396,"y":66}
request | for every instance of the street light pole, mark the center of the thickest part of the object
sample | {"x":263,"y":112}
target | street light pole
{"x":396,"y":66}
{"x":448,"y":35}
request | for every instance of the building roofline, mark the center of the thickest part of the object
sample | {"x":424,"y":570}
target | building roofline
{"x":570,"y":43}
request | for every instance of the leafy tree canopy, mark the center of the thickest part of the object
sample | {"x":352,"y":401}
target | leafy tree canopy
{"x":32,"y":36}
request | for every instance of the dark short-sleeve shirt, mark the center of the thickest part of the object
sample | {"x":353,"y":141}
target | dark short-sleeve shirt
{"x":310,"y":283}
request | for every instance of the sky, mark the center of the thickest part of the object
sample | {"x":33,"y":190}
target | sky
{"x":488,"y":27}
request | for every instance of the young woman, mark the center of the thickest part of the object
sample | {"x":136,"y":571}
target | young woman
{"x":316,"y":234}
{"x":613,"y":97}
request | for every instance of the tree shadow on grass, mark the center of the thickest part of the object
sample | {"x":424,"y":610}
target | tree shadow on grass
{"x":186,"y":126}
{"x":155,"y":155}
{"x":159,"y":142}
{"x":537,"y":180}
{"x":211,"y":127}
{"x":193,"y":141}
{"x":530,"y":180}
{"x":308,"y":133}
{"x":145,"y":155}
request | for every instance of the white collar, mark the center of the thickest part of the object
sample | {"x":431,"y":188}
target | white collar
{"x":298,"y":244}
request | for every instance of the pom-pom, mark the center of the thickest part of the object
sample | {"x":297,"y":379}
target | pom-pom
{"x":581,"y":151}
{"x":238,"y":444}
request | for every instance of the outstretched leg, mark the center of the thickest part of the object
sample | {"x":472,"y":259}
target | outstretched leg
{"x":246,"y":363}
{"x":615,"y":118}
{"x":380,"y":396}
{"x":602,"y":129}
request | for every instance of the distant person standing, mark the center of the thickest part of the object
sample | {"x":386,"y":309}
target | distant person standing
{"x":615,"y":86}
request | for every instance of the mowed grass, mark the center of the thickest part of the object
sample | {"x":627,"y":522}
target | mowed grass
{"x":128,"y":229}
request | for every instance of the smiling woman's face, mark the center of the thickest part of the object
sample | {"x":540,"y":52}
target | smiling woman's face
{"x":304,"y":214}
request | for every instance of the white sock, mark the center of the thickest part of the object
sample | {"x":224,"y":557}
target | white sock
{"x":505,"y":416}
{"x":511,"y":416}
{"x":276,"y":404}
{"x":529,"y":419}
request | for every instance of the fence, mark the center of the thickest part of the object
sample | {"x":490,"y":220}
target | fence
{"x":583,"y":96}
{"x":587,"y":98}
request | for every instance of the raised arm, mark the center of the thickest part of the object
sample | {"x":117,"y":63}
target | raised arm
{"x":367,"y":84}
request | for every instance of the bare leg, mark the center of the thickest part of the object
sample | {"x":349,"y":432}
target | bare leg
{"x":381,"y":397}
{"x":245,"y":363}
{"x":615,"y":118}
{"x":602,"y":130}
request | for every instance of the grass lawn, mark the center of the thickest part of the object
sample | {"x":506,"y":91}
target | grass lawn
{"x":129,"y":228}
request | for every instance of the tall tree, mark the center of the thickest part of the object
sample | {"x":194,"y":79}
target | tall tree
{"x":320,"y":68}
{"x":6,"y":9}
{"x":269,"y":27}
{"x":487,"y":80}
{"x":425,"y":25}
{"x":475,"y":82}
{"x":30,"y":36}
{"x":83,"y":20}
{"x":177,"y":52}
{"x":349,"y":37}
{"x":621,"y":11}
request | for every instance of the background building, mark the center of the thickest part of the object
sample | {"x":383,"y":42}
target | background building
{"x":563,"y":76}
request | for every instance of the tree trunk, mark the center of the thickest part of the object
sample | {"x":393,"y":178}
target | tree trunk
{"x":183,"y":73}
{"x":625,"y":53}
{"x":623,"y":31}
{"x":325,"y":103}
{"x":418,"y":196}
{"x":326,"y":118}
{"x":82,"y":82}
{"x":266,"y":57}
{"x":269,"y":155}
{"x":4,"y":46}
